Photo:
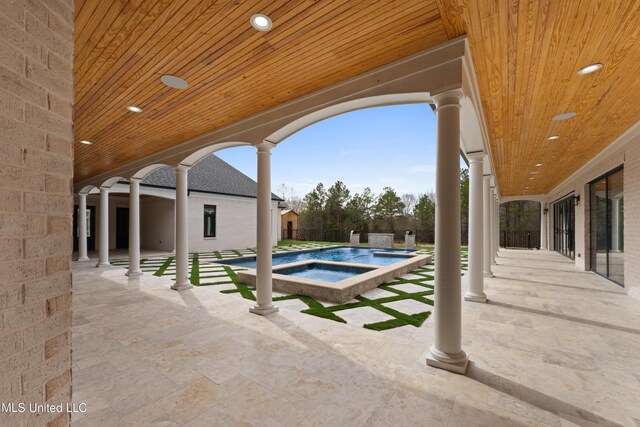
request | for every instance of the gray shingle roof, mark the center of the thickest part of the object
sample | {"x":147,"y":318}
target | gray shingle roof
{"x":210,"y":175}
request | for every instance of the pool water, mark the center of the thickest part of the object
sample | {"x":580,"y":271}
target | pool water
{"x":327,"y":273}
{"x":351,"y":255}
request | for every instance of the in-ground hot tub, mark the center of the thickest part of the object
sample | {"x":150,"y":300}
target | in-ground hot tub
{"x":335,"y":274}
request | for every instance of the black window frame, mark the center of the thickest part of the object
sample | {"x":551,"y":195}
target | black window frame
{"x":207,"y":214}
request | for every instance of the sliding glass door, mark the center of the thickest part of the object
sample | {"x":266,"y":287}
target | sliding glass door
{"x":607,"y":226}
{"x":564,"y":226}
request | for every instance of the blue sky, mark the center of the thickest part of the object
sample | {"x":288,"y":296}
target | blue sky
{"x":376,"y":147}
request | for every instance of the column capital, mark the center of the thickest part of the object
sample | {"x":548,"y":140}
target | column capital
{"x":475,"y":156}
{"x":487,"y":178}
{"x":135,"y":181}
{"x":265,"y":146}
{"x":182,"y":169}
{"x":450,"y":98}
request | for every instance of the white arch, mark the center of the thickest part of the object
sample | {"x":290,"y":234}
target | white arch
{"x":142,"y":173}
{"x":196,"y":156}
{"x":88,"y":189}
{"x":109,"y":183}
{"x":539,"y":198}
{"x":345,"y":107}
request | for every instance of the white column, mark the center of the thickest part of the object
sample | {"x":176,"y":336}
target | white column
{"x":446,"y":352}
{"x":182,"y":231}
{"x":543,"y":226}
{"x":486,"y":222}
{"x":496,"y":242}
{"x":82,"y":225}
{"x":264,"y":283}
{"x":492,"y":220}
{"x":134,"y":228}
{"x":103,"y":257}
{"x":476,"y":280}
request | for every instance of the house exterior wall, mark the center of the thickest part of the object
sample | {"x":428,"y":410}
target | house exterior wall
{"x":36,"y":206}
{"x":624,"y":151}
{"x":157,"y":226}
{"x":235,"y":222}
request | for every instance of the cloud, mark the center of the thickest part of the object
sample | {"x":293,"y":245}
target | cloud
{"x":420,"y":169}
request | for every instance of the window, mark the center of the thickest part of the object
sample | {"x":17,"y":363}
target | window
{"x":607,"y":226}
{"x":209,"y":221}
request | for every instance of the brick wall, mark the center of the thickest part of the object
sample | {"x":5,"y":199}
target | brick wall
{"x":36,"y":172}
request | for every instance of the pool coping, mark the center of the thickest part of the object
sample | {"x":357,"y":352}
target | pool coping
{"x":343,"y":290}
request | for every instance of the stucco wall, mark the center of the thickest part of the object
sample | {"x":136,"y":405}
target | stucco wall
{"x":625,"y":152}
{"x":36,"y":206}
{"x":235,"y":222}
{"x":157,"y":227}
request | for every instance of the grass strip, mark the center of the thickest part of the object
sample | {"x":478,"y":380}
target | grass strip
{"x":244,"y":290}
{"x":164,"y":267}
{"x":195,"y":270}
{"x":395,"y":323}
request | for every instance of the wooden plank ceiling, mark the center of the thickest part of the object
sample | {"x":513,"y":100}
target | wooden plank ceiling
{"x":123,"y":47}
{"x":526,"y":55}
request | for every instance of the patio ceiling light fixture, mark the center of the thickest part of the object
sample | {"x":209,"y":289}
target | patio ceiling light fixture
{"x":552,"y":137}
{"x":590,"y":69}
{"x":564,"y":116}
{"x":174,"y":82}
{"x":86,"y":142}
{"x":261,"y":22}
{"x":538,"y":165}
{"x":134,"y":109}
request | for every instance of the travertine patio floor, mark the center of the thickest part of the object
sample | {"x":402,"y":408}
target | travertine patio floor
{"x":554,"y":346}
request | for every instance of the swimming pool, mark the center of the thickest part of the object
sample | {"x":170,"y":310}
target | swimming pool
{"x":342,"y":254}
{"x":322,"y":271}
{"x":335,"y":274}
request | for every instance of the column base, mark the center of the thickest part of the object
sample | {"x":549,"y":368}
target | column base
{"x":103,"y":264}
{"x":488,"y":274}
{"x":472,"y":296}
{"x":263,"y":311}
{"x":84,"y":258}
{"x":454,"y":363}
{"x":134,"y":273}
{"x":494,"y":263}
{"x":181,"y":287}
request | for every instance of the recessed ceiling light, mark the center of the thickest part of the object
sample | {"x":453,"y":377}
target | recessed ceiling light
{"x":538,"y":165}
{"x":552,"y":137}
{"x":534,"y":172}
{"x":174,"y":82}
{"x":590,"y":69}
{"x":531,"y":178}
{"x":134,"y":109}
{"x":86,"y":142}
{"x":261,"y":22}
{"x":564,"y":116}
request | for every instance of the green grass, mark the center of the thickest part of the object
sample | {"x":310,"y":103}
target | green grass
{"x":164,"y":266}
{"x":195,"y":270}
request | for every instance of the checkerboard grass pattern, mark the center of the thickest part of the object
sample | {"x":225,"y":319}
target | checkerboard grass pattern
{"x":417,"y":286}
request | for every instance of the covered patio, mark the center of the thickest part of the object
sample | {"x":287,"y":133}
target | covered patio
{"x":552,"y":346}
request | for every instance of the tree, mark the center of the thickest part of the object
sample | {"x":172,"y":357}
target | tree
{"x":337,"y":196}
{"x":409,"y":201}
{"x":314,"y":202}
{"x":291,"y":199}
{"x":388,"y":206}
{"x":358,"y":211}
{"x":464,"y":203}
